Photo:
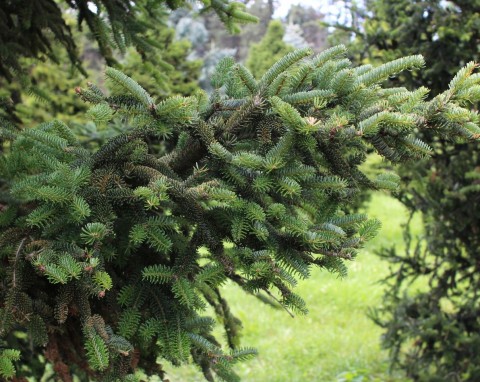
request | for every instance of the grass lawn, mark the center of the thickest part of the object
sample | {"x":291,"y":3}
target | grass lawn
{"x":336,"y":341}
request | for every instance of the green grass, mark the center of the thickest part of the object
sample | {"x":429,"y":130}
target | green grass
{"x":336,"y":341}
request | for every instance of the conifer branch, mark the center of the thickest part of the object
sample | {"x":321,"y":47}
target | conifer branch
{"x":251,"y":187}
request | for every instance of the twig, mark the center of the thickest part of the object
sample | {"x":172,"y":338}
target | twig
{"x":280,"y":303}
{"x":17,"y":254}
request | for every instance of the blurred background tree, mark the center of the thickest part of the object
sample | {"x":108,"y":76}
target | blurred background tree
{"x":173,"y":73}
{"x":444,"y":32}
{"x":302,"y":27}
{"x":269,"y":50}
{"x":29,"y":28}
{"x":37,"y":32}
{"x":309,"y":21}
{"x":431,"y":309}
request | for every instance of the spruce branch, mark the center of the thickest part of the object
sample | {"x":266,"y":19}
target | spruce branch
{"x":142,"y":232}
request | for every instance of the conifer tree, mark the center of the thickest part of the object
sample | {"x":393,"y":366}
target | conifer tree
{"x":44,"y":33}
{"x":111,"y":255}
{"x":171,"y":72}
{"x":29,"y":28}
{"x":45,"y":93}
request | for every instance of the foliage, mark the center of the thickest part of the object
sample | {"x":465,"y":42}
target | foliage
{"x":430,"y":311}
{"x":432,"y":329}
{"x":269,"y":50}
{"x":43,"y":57}
{"x":112,"y":255}
{"x":444,"y":32}
{"x":48,"y":92}
{"x":171,"y":73}
{"x":28,"y":28}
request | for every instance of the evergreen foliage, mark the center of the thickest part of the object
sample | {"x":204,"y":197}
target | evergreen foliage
{"x":40,"y":89}
{"x":444,"y":32}
{"x":43,"y":92}
{"x":112,"y":255}
{"x":29,"y":28}
{"x":48,"y":91}
{"x":431,"y":308}
{"x":171,"y":73}
{"x":36,"y":35}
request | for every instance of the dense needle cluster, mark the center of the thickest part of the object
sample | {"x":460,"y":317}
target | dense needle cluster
{"x":112,"y":254}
